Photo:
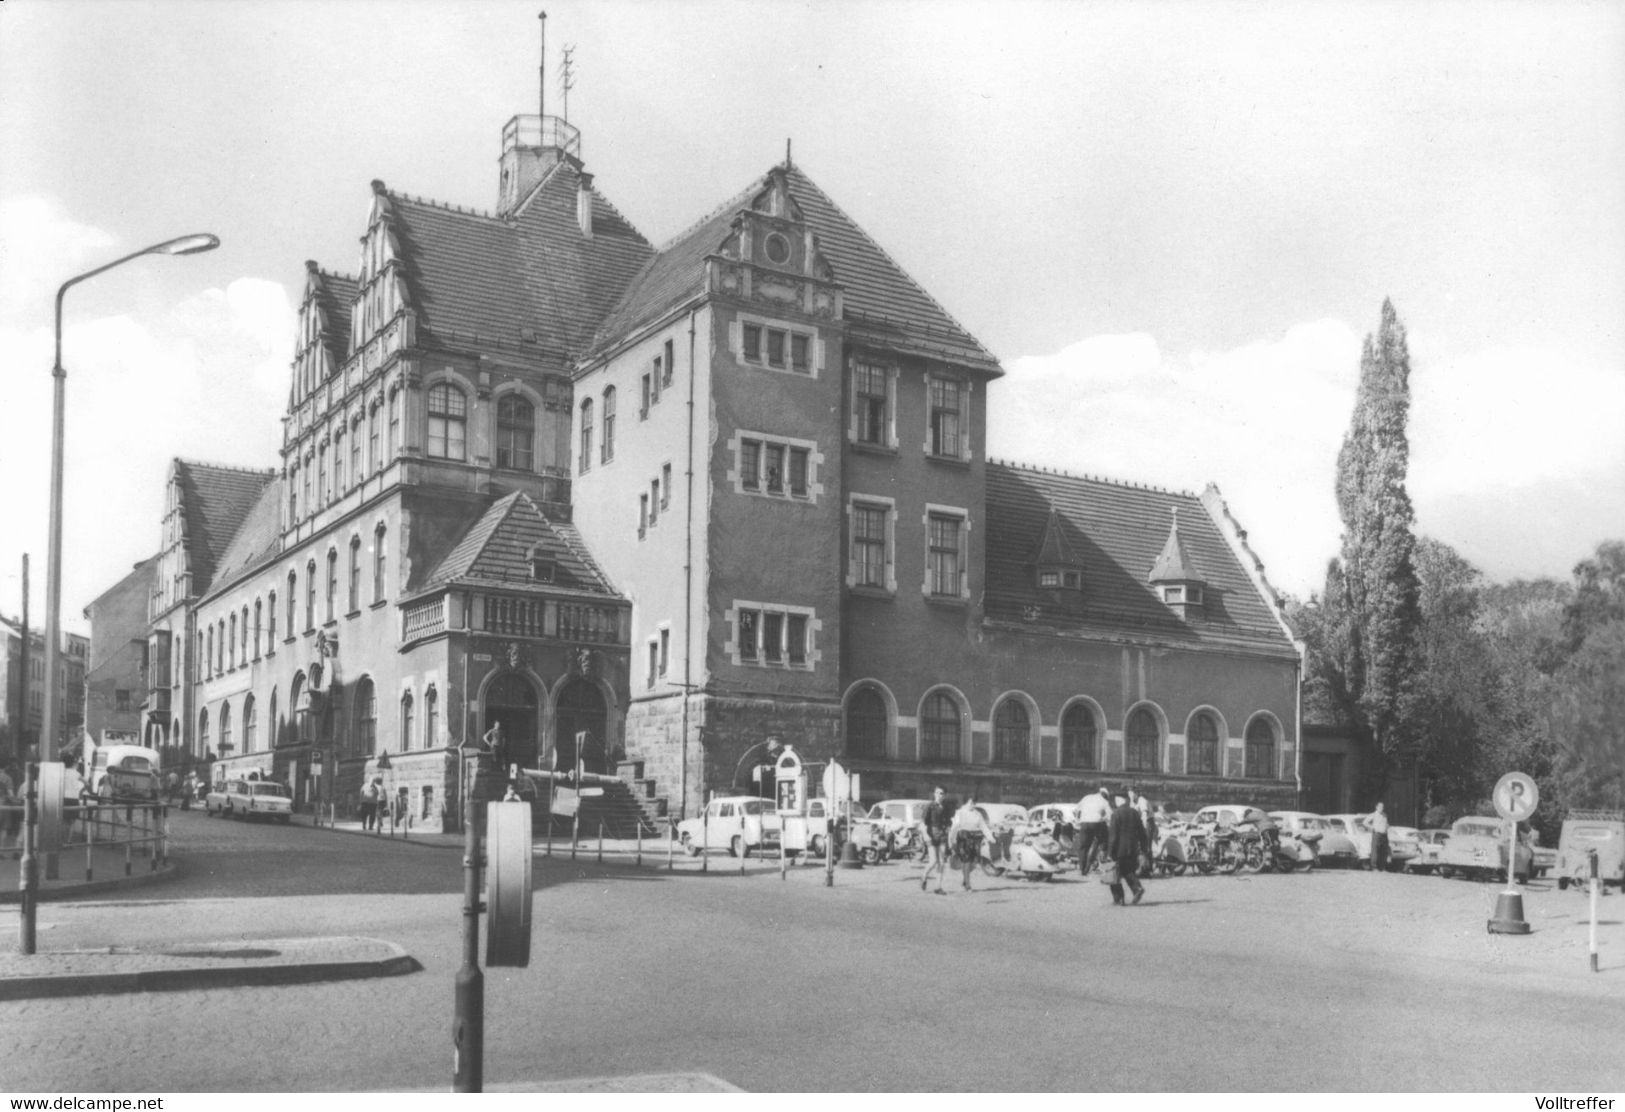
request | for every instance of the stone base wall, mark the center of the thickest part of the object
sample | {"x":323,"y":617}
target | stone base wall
{"x":428,"y":779}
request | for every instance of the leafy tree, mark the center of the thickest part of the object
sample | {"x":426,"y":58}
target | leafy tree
{"x":1587,"y":721}
{"x":1371,"y":613}
{"x":1599,"y":594}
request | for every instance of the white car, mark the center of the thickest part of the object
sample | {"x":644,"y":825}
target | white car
{"x":1010,"y":816}
{"x":736,"y":823}
{"x":1355,"y":828}
{"x":251,"y":799}
{"x":1335,"y":847}
{"x":1230,"y":814}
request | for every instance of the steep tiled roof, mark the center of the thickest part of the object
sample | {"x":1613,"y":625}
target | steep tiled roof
{"x":258,"y":539}
{"x":533,"y":280}
{"x":217,"y":500}
{"x":1054,"y":548}
{"x":336,"y":293}
{"x":1173,"y":563}
{"x":1117,"y":532}
{"x":883,"y":304}
{"x":495,"y":551}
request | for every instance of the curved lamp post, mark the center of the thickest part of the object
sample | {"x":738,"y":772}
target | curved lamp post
{"x":773,"y":746}
{"x":184,"y":245}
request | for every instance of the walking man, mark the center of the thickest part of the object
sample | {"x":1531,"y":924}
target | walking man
{"x":1093,"y":811}
{"x":1378,"y":822}
{"x":1125,"y":839}
{"x":936,"y":839}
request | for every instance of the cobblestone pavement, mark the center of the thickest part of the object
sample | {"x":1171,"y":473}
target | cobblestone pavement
{"x":1326,"y":981}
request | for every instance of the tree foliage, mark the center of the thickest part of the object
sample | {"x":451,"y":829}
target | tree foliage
{"x":1370,"y":614}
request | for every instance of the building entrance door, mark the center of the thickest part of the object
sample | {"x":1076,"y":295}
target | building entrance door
{"x":581,"y":708}
{"x":511,"y":700}
{"x":1323,"y":783}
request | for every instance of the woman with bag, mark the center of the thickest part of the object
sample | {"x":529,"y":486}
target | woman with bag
{"x":966,"y":835}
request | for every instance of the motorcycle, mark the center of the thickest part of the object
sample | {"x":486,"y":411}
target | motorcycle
{"x":1035,"y":855}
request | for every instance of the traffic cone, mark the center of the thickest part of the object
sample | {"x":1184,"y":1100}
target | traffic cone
{"x":849,"y":856}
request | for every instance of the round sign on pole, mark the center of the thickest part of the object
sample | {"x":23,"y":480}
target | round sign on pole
{"x":1515,"y":796}
{"x":507,"y":850}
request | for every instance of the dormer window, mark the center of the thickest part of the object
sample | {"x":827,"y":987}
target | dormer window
{"x":1175,"y":578}
{"x":1050,"y":580}
{"x":543,"y":569}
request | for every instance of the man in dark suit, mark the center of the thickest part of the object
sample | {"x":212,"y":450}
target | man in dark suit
{"x":1125,"y":841}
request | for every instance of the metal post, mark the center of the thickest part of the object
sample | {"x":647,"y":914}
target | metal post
{"x":1591,"y":856}
{"x":705,"y":838}
{"x":640,"y":844}
{"x":468,"y":1012}
{"x":30,"y":861}
{"x":671,"y":849}
{"x":600,"y":843}
{"x":575,"y":826}
{"x":829,"y":847}
{"x":782,"y":858}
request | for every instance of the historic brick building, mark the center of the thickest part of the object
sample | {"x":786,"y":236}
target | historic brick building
{"x":681,"y":500}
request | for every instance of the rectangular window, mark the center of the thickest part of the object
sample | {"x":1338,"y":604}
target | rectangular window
{"x":643,"y":515}
{"x":775,"y":348}
{"x":753,"y":343}
{"x":772,"y":636}
{"x":372,"y":441}
{"x":798,"y":472}
{"x":665,"y":485}
{"x":943,"y":563}
{"x":669,"y":364}
{"x":795,"y":636}
{"x":665,"y":650}
{"x":646,"y":397}
{"x":799,"y":349}
{"x":750,"y":464}
{"x":355,"y":454}
{"x":945,"y":427}
{"x":868,"y":545}
{"x":654,"y":501}
{"x":654,"y":663}
{"x":655,"y":378}
{"x":773,"y":459}
{"x":870,"y":404}
{"x":394,"y":425}
{"x":747,"y":634}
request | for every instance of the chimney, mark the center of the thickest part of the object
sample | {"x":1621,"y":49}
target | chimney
{"x":584,"y":205}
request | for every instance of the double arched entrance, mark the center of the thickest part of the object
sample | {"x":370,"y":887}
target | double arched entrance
{"x":513,"y":700}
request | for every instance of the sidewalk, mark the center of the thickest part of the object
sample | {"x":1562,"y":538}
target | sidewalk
{"x":107,"y":870}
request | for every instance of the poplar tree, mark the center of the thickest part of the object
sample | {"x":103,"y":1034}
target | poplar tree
{"x":1372,"y":592}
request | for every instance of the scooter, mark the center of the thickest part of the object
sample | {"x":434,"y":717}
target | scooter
{"x":1036,"y":856}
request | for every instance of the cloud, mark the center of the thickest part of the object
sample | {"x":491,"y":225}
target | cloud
{"x":40,"y":247}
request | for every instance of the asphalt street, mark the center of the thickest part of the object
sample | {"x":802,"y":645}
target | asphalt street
{"x":1319,"y":982}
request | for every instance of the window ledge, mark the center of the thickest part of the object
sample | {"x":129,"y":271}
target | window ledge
{"x":355,"y":612}
{"x":949,"y":461}
{"x":331,"y":623}
{"x":879,"y":594}
{"x":290,"y":639}
{"x":380,"y":602}
{"x":864,"y":447}
{"x":953,"y":601}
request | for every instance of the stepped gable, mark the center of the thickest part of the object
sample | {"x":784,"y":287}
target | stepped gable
{"x":258,"y":539}
{"x":883,"y":305}
{"x":495,"y":552}
{"x":1117,"y":532}
{"x":335,"y":293}
{"x":580,"y":277}
{"x":217,"y":501}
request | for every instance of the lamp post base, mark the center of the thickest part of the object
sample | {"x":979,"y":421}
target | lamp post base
{"x":1508,"y":915}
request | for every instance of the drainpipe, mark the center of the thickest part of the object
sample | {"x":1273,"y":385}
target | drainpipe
{"x":1297,"y":760}
{"x":688,"y":574}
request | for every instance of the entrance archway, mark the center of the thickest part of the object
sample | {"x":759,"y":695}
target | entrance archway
{"x":511,"y":700}
{"x":581,"y":709}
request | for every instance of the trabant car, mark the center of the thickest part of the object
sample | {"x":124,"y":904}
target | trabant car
{"x":1355,"y":829}
{"x":251,"y":799}
{"x":1477,"y":849}
{"x":1429,"y":844}
{"x":736,"y":823}
{"x":895,"y":814}
{"x":1059,"y":820}
{"x":1403,"y":847}
{"x":1583,"y":831}
{"x":1335,"y":848}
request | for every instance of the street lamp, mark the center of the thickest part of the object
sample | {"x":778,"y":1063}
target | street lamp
{"x":185,"y":245}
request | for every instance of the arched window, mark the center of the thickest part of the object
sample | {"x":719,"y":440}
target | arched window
{"x":293,"y":600}
{"x":366,"y":717}
{"x":394,"y":444}
{"x":332,"y":582}
{"x":250,"y":726}
{"x":301,"y":717}
{"x":586,"y":435}
{"x":940,"y":728}
{"x":244,"y":636}
{"x":431,"y":718}
{"x":372,"y":439}
{"x":1140,"y":741}
{"x":866,"y":723}
{"x":270,"y":628}
{"x":1012,"y":733}
{"x":338,"y":462}
{"x":220,"y":649}
{"x":226,"y":744}
{"x":321,"y":476}
{"x":1078,"y":749}
{"x":448,"y":422}
{"x":355,"y":574}
{"x":608,"y":449}
{"x":203,"y":730}
{"x":406,"y":721}
{"x":1202,"y":746}
{"x":310,"y":595}
{"x":380,"y":562}
{"x":516,"y":432}
{"x":293,"y":495}
{"x":1261,"y":749}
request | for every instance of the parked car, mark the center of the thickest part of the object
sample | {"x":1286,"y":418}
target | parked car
{"x":1231,"y":814}
{"x":1429,"y":844}
{"x":1008,"y":815}
{"x":847,"y":814}
{"x":1336,"y":848}
{"x":895,"y":814}
{"x":736,"y":823}
{"x":125,"y":772}
{"x":251,"y":799}
{"x":1060,"y":820}
{"x":1354,"y":828}
{"x":1583,"y":831}
{"x":1477,"y":849}
{"x":1403,"y":847}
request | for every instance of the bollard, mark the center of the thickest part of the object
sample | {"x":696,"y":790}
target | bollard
{"x":90,"y":841}
{"x":705,"y":841}
{"x":575,"y":831}
{"x":639,"y":861}
{"x":127,"y":858}
{"x":782,"y":858}
{"x":600,"y":843}
{"x":29,"y":866}
{"x":1591,"y":856}
{"x":549,"y":852}
{"x":671,"y":849}
{"x":744,"y":849}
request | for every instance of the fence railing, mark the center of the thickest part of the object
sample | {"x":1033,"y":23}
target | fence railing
{"x":137,"y":831}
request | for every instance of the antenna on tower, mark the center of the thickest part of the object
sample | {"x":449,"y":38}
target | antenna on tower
{"x":567,"y":77}
{"x":541,"y":72}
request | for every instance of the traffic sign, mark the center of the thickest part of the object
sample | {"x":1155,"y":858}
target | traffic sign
{"x":508,"y":884}
{"x":1515,"y":796}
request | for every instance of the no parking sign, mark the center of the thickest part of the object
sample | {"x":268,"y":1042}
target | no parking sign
{"x":1515,"y":797}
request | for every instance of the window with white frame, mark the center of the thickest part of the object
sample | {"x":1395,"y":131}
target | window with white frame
{"x":946,"y":434}
{"x":448,"y":422}
{"x":586,"y":435}
{"x":773,"y":636}
{"x":776,"y":346}
{"x":873,"y":402}
{"x":516,"y":432}
{"x":606,"y":450}
{"x":945,"y":553}
{"x":776,"y":467}
{"x":873,"y":529}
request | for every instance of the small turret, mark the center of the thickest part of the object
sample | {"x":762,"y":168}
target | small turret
{"x":1174,"y":576}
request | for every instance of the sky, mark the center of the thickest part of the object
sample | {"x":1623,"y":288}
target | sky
{"x":1173,"y":223}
